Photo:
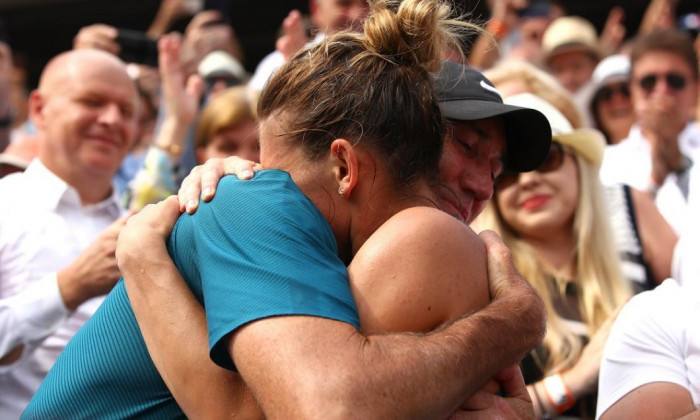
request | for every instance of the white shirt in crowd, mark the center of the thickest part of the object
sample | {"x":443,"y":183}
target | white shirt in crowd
{"x":269,"y":65}
{"x":629,"y":162}
{"x":686,"y":256}
{"x":43,"y":227}
{"x":656,"y":338}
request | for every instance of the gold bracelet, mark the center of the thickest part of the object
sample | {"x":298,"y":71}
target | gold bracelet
{"x":173,"y":149}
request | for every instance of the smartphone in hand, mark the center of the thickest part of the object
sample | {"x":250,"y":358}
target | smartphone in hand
{"x":137,"y":47}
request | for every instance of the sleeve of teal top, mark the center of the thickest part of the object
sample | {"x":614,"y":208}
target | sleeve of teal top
{"x":262,"y":249}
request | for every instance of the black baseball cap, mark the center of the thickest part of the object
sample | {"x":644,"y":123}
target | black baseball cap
{"x":464,"y":94}
{"x":4,"y":37}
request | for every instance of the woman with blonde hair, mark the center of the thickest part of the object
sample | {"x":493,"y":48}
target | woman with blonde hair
{"x":555,"y":221}
{"x":227,"y":126}
{"x":643,"y":238}
{"x":517,"y":76}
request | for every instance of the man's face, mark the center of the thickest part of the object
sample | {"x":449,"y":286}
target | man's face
{"x":89,"y":119}
{"x":664,"y":77}
{"x":572,"y":69}
{"x":472,"y":158}
{"x":335,"y":15}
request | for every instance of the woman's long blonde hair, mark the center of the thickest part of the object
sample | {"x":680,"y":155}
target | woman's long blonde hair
{"x":601,"y":287}
{"x":539,"y":83}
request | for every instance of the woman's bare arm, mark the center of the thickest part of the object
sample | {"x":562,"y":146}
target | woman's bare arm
{"x":314,"y":367}
{"x":419,"y":270}
{"x":656,"y":400}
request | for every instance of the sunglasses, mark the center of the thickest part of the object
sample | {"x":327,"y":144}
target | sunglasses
{"x":607,"y":92}
{"x":553,"y":161}
{"x":673,"y":80}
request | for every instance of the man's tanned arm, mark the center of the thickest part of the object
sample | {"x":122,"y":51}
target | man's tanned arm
{"x":312,"y":367}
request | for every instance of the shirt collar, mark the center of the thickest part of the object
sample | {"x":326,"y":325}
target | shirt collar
{"x":55,"y":191}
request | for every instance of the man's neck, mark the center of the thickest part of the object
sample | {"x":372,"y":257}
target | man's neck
{"x":91,"y":188}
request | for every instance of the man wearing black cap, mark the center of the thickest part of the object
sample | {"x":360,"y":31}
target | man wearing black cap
{"x":481,"y":130}
{"x":426,"y":374}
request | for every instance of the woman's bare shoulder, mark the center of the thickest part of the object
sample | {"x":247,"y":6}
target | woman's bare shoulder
{"x":421,"y":268}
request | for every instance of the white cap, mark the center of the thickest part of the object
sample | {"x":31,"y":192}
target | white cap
{"x":220,"y":63}
{"x":613,"y":68}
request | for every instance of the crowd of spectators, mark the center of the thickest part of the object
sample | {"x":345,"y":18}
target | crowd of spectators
{"x":603,"y":229}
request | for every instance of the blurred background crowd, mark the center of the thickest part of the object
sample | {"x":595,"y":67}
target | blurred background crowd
{"x":618,"y":82}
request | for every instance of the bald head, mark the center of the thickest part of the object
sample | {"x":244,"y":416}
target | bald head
{"x":75,"y":64}
{"x":85,"y":114}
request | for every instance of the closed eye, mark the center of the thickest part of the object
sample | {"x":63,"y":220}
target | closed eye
{"x":465,"y":145}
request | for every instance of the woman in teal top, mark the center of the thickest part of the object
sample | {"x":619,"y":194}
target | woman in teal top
{"x":264,"y":230}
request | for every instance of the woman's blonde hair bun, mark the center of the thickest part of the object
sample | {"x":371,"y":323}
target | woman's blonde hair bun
{"x":414,"y":32}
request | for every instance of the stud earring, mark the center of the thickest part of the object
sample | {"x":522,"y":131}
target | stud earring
{"x":341,"y":191}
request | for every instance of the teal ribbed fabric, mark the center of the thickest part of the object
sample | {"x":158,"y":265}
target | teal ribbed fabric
{"x":259,"y":249}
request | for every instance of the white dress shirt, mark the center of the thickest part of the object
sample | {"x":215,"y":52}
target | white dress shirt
{"x":655,"y":338}
{"x":629,"y":162}
{"x":43,"y":227}
{"x":686,"y":261}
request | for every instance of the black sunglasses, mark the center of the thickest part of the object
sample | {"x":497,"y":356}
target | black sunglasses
{"x":673,"y":80}
{"x":553,"y":161}
{"x":607,"y":92}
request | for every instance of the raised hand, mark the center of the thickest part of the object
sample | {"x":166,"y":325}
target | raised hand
{"x":97,"y":36}
{"x":181,"y":93}
{"x":294,"y":37}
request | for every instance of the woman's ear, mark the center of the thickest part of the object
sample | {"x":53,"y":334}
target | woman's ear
{"x":345,"y":166}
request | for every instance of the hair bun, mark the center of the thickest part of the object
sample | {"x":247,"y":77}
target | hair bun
{"x":413,"y":32}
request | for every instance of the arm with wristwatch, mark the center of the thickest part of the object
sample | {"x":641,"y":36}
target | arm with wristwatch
{"x":558,"y":392}
{"x":157,"y":178}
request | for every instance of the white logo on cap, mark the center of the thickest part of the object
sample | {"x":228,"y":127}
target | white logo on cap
{"x":491,"y":89}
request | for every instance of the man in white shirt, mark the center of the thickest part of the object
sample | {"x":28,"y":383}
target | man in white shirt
{"x":59,"y":220}
{"x":328,"y":16}
{"x":655,"y":157}
{"x":686,"y":264}
{"x":651,"y":362}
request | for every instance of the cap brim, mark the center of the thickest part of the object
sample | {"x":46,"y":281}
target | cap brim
{"x":587,"y":142}
{"x":571,"y":47}
{"x":527,"y":131}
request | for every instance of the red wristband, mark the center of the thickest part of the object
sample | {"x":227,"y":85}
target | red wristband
{"x":497,"y":28}
{"x":558,"y":394}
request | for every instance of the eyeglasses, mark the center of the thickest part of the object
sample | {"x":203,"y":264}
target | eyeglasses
{"x":673,"y":80}
{"x":607,"y":92}
{"x":553,"y":161}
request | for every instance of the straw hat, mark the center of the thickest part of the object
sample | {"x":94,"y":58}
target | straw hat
{"x":570,"y":33}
